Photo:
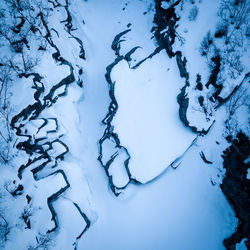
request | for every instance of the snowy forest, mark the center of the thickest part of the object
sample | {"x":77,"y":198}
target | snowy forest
{"x":124,"y":124}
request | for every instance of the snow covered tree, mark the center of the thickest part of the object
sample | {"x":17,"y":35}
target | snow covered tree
{"x":237,"y":101}
{"x":5,"y":113}
{"x":43,"y":242}
{"x":5,"y":229}
{"x":206,"y":44}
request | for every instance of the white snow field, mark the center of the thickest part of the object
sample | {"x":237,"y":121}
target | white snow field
{"x":147,"y":120}
{"x":177,"y":203}
{"x":179,"y":210}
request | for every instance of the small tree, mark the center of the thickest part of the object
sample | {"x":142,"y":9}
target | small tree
{"x":24,"y":64}
{"x":43,"y":242}
{"x":5,"y":229}
{"x":206,"y":44}
{"x":193,"y":14}
{"x":239,"y":99}
{"x":25,"y":216}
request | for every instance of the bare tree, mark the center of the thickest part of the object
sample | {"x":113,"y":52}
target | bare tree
{"x":43,"y":242}
{"x":5,"y":113}
{"x":26,"y":214}
{"x":5,"y":228}
{"x":24,"y":64}
{"x":235,"y":13}
{"x":238,"y":100}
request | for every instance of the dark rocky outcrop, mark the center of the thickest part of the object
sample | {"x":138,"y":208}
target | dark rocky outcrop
{"x":17,"y":191}
{"x":183,"y":101}
{"x":203,"y":157}
{"x":181,"y":63}
{"x":128,"y":55}
{"x":87,"y":221}
{"x":54,"y":197}
{"x":117,"y":40}
{"x":165,"y":18}
{"x":70,"y":28}
{"x":215,"y":71}
{"x":18,"y":27}
{"x":199,"y":85}
{"x":156,"y":51}
{"x":236,"y":187}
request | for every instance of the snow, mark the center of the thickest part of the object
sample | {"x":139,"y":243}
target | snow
{"x":71,"y":221}
{"x":119,"y":174}
{"x":40,"y":219}
{"x":178,"y":207}
{"x":178,"y":203}
{"x":183,"y":204}
{"x":48,"y":125}
{"x":147,"y":120}
{"x":241,"y":245}
{"x":109,"y":149}
{"x":58,"y":149}
{"x":47,"y":64}
{"x":248,"y":174}
{"x":193,"y":33}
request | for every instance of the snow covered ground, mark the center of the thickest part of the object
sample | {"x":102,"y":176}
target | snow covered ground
{"x":184,"y":211}
{"x":147,"y":120}
{"x":166,"y":206}
{"x":183,"y":206}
